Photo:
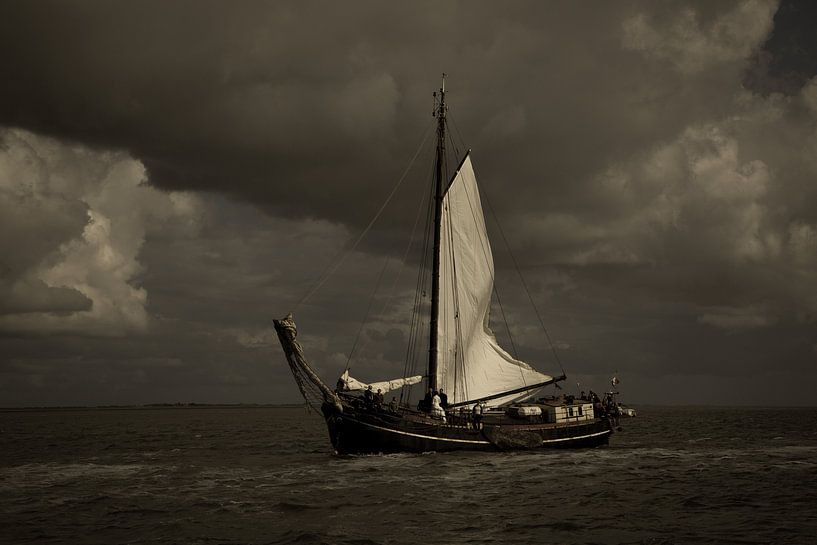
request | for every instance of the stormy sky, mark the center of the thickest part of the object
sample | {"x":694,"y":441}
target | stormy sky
{"x":174,"y":175}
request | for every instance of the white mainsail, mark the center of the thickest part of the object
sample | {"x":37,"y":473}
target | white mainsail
{"x":470,"y":363}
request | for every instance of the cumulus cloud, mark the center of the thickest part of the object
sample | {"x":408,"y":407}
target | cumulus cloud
{"x":720,"y":210}
{"x":79,"y":217}
{"x":684,"y":41}
{"x":696,"y":188}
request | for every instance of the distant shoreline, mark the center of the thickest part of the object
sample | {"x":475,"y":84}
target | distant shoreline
{"x":183,"y":406}
{"x":153,"y":406}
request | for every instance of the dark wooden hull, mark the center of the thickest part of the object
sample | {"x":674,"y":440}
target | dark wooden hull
{"x":356,"y":431}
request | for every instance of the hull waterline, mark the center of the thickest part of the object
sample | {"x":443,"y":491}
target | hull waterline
{"x":360,"y":432}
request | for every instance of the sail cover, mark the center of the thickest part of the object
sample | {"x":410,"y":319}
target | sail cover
{"x":470,"y":363}
{"x":352,"y":384}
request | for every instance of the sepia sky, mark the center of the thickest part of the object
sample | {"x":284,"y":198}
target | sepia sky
{"x":174,"y":175}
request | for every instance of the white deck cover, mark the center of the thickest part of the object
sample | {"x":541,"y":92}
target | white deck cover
{"x":477,"y":366}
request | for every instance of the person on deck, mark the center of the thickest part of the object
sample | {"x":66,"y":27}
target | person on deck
{"x":477,"y":413}
{"x":393,"y":404}
{"x":436,"y":409}
{"x":368,"y":397}
{"x":598,"y":409}
{"x":425,"y":404}
{"x":608,"y":403}
{"x":379,"y":399}
{"x":443,"y":399}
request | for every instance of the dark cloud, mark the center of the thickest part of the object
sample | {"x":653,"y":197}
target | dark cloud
{"x":788,"y":59}
{"x":173,"y":175}
{"x":260,"y":98}
{"x":33,"y":295}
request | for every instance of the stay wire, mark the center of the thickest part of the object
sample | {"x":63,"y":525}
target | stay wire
{"x":416,"y":317}
{"x":456,"y":128}
{"x":507,"y":327}
{"x":368,"y":310}
{"x":335,"y":263}
{"x":420,"y":209}
{"x":393,"y":292}
{"x":524,"y":284}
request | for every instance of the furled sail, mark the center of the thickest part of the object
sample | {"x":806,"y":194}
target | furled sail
{"x":470,"y":363}
{"x":351,"y":384}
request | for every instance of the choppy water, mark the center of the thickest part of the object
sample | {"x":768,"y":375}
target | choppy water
{"x":215,"y":475}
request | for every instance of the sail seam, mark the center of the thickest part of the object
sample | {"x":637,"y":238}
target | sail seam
{"x":459,"y":366}
{"x":487,"y":255}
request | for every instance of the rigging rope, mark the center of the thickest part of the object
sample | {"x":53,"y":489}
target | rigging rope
{"x":368,"y":309}
{"x":507,"y":328}
{"x":393,"y":290}
{"x":524,"y":284}
{"x":420,"y":209}
{"x":417,"y":324}
{"x":456,"y":128}
{"x":344,"y":253}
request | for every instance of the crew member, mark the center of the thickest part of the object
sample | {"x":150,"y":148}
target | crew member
{"x":477,"y":413}
{"x":443,"y":399}
{"x":436,"y":409}
{"x":425,"y":404}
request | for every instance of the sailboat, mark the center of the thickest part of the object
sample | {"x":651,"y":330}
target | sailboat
{"x":491,"y":396}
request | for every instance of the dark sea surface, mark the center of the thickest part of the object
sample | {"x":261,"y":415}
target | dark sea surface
{"x":268,"y":475}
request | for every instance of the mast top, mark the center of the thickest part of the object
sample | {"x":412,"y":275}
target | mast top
{"x":439,"y":111}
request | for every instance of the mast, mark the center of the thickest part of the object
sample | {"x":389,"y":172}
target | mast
{"x":438,"y":209}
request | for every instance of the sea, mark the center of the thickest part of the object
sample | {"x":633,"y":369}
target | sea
{"x":267,"y":475}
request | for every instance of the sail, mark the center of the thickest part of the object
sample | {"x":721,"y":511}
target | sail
{"x":351,"y":384}
{"x":470,"y":363}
